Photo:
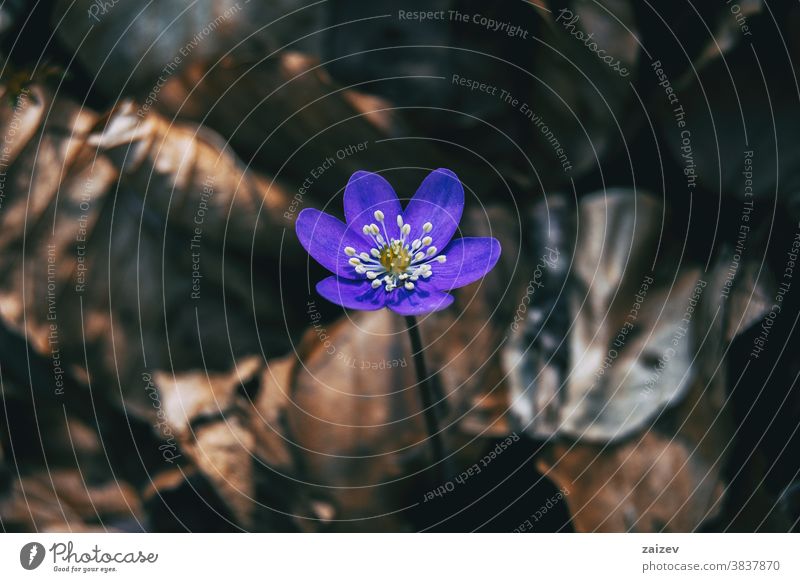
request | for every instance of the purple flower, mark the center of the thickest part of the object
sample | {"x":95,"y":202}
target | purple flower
{"x":389,"y":257}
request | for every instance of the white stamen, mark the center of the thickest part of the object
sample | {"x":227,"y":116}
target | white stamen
{"x":389,"y":249}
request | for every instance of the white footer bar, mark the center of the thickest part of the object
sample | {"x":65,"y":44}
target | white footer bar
{"x":397,"y":557}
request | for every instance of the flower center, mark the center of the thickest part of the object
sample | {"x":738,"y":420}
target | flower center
{"x":393,"y":262}
{"x":395,"y":258}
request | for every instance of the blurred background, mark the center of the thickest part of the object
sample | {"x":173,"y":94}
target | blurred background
{"x":630,"y":364}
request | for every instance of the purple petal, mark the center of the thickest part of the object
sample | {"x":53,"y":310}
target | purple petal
{"x":468,"y":259}
{"x":421,"y":299}
{"x":364,"y":194}
{"x":325,"y":238}
{"x":440,"y":201}
{"x":352,"y":294}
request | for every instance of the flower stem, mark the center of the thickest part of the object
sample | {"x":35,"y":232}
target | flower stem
{"x":427,"y":395}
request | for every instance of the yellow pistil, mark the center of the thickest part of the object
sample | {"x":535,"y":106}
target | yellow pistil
{"x":395,"y":258}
